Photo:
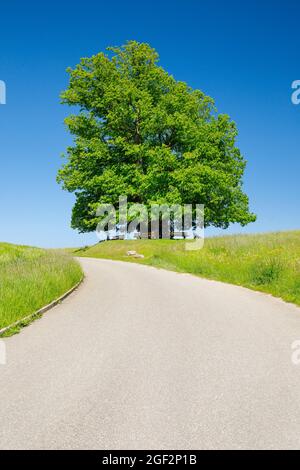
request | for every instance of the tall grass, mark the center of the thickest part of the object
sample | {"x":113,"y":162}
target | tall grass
{"x":265,"y":262}
{"x":31,"y":278}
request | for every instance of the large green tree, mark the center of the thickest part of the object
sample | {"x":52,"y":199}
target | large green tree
{"x":139,"y":132}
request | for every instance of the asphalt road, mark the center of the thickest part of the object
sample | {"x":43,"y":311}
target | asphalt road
{"x":139,"y":358}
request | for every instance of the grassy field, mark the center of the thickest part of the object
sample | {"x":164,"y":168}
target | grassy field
{"x":30,"y":278}
{"x":264,"y":262}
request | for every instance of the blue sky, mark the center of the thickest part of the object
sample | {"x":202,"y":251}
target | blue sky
{"x":245,"y":54}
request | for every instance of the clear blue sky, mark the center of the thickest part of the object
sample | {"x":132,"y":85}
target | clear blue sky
{"x":245,"y":54}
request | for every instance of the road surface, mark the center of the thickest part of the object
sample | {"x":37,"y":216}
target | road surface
{"x":140,"y":358}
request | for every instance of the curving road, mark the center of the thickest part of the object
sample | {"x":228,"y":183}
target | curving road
{"x":139,"y":358}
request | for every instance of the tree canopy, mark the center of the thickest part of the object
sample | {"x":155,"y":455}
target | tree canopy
{"x":138,"y":132}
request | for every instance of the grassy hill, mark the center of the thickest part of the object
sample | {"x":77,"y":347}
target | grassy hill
{"x":30,"y":278}
{"x":265,"y":262}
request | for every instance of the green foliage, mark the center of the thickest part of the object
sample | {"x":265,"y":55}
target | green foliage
{"x":266,"y":271}
{"x":265,"y":262}
{"x":141,"y":133}
{"x":32,"y":278}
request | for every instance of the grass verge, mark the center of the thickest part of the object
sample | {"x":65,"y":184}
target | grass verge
{"x":31,"y":278}
{"x":266,"y":262}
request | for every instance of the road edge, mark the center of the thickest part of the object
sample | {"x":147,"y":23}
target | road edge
{"x":39,"y":313}
{"x":253,"y":290}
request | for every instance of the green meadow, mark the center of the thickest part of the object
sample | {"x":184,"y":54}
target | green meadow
{"x":265,"y":262}
{"x":30,"y":278}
